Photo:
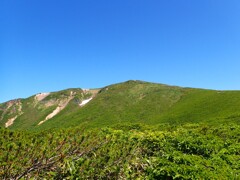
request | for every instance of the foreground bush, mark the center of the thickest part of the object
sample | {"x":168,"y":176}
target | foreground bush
{"x":127,"y":152}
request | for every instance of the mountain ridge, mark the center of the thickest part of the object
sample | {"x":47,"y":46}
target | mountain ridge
{"x":132,"y":101}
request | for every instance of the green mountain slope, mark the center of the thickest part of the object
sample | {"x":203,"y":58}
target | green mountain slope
{"x":36,"y":110}
{"x":128,"y":102}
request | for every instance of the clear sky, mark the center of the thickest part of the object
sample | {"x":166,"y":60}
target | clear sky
{"x":49,"y":45}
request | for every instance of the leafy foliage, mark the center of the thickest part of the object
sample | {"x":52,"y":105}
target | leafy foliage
{"x":191,"y":151}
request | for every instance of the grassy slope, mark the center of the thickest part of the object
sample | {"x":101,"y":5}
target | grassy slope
{"x":205,"y":106}
{"x":33,"y":115}
{"x":190,"y":151}
{"x":125,"y":102}
{"x":136,"y":101}
{"x":34,"y":112}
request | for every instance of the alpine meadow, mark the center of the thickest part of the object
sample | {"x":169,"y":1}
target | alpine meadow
{"x":130,"y":130}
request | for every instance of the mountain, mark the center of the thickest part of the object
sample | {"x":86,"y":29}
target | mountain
{"x":127,"y":102}
{"x":129,"y":130}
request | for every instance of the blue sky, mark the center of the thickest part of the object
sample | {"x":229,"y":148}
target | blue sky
{"x":50,"y":45}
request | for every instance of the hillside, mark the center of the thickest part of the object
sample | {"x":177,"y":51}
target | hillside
{"x":155,"y":131}
{"x":128,"y":102}
{"x":36,"y":110}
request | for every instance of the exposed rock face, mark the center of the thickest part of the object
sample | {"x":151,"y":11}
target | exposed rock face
{"x":12,"y":110}
{"x":62,"y":104}
{"x":41,"y":107}
{"x":10,"y":121}
{"x":41,"y":96}
{"x":84,"y":102}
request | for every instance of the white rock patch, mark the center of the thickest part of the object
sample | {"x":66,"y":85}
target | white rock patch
{"x":60,"y":107}
{"x":10,"y":121}
{"x":84,"y":102}
{"x":18,"y":106}
{"x":41,"y":96}
{"x":54,"y":113}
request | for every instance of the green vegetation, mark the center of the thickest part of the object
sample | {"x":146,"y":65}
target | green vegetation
{"x":149,"y":103}
{"x":131,"y":130}
{"x":34,"y":114}
{"x":128,"y":102}
{"x":131,"y":151}
{"x":132,"y":101}
{"x":30,"y":112}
